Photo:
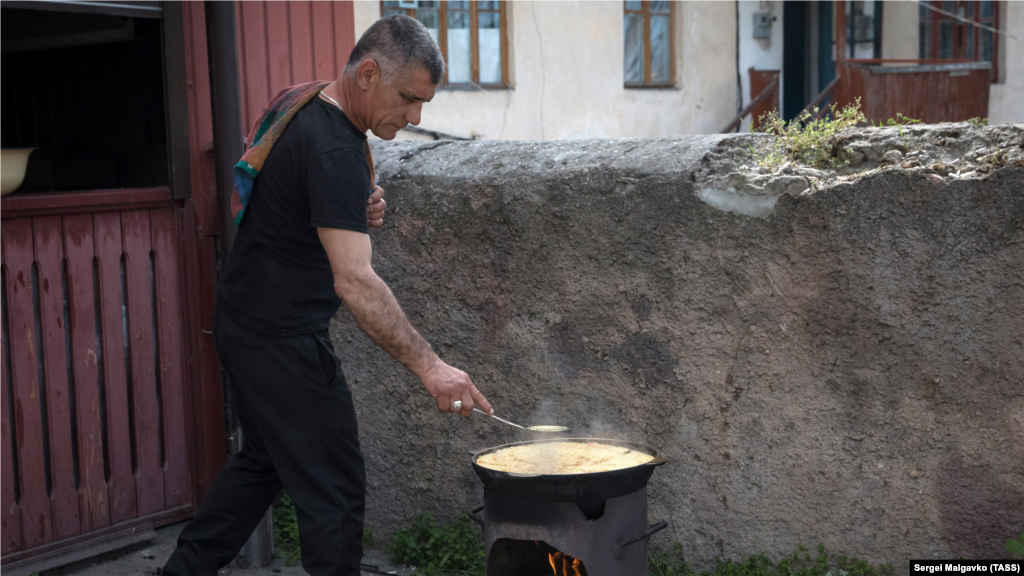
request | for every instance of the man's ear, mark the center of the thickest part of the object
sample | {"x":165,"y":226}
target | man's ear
{"x":367,"y":72}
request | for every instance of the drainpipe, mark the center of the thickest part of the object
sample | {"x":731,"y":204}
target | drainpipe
{"x":840,"y":9}
{"x":227,"y":115}
{"x":739,"y":78}
{"x":840,"y":32}
{"x":228,"y":139}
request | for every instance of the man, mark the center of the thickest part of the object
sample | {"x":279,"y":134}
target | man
{"x":303,"y":248}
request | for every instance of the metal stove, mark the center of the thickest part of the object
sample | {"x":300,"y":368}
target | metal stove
{"x":567,"y":524}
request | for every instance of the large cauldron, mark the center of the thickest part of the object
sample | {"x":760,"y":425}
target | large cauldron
{"x":587,"y":490}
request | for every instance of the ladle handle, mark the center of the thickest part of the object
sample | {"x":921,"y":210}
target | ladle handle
{"x":475,"y":409}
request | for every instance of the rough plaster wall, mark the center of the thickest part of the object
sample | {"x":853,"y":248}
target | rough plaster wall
{"x":846,"y":370}
{"x":567,"y":81}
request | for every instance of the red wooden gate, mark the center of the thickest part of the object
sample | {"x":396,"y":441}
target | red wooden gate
{"x":94,"y":395}
{"x":113,"y":414}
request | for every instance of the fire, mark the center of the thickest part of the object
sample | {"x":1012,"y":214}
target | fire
{"x":565,"y":565}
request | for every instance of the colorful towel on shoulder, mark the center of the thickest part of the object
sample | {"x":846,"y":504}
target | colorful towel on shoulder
{"x":262,"y":137}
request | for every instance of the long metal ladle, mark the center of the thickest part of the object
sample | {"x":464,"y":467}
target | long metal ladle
{"x":530,"y":428}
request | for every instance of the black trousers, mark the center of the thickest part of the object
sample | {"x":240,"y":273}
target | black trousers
{"x":299,"y":431}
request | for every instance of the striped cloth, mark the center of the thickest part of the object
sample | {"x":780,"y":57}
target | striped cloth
{"x":264,"y":134}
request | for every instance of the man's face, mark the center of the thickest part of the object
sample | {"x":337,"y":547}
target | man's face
{"x":399,"y":103}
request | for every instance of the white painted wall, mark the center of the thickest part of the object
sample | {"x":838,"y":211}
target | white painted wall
{"x":899,"y":30}
{"x":756,"y":53}
{"x":566,"y":68}
{"x":1006,"y":100}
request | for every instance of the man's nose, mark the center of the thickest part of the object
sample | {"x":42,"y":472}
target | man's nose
{"x":413,"y":116}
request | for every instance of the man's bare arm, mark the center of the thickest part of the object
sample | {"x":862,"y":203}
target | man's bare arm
{"x":378,"y":314}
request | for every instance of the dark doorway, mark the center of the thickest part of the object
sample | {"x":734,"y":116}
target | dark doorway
{"x":796,"y":46}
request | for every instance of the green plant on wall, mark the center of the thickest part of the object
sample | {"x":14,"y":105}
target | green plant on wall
{"x":455,"y":548}
{"x":1015,"y":546}
{"x":808,"y":139}
{"x":901,"y":120}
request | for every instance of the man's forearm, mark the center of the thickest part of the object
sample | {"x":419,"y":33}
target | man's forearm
{"x":379,"y":315}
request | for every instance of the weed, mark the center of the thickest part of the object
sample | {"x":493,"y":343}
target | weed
{"x":807,"y":139}
{"x":800,"y":563}
{"x":286,"y":531}
{"x":455,"y":548}
{"x":1016,"y":545}
{"x":901,"y":120}
{"x":978,"y":121}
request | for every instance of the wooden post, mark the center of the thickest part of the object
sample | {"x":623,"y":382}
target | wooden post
{"x":840,"y":9}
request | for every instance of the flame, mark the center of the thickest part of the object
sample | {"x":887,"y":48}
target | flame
{"x":565,"y":565}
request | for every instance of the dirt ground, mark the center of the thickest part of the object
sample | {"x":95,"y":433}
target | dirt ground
{"x":137,"y":560}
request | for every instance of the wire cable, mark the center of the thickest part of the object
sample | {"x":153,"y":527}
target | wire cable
{"x":966,"y":20}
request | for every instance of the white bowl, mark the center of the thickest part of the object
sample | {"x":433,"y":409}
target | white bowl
{"x":12,"y":168}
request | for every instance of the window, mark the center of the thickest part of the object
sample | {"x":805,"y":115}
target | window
{"x":864,"y":29}
{"x":471,"y":35}
{"x":647,"y":30}
{"x":60,"y":70}
{"x":943,"y":37}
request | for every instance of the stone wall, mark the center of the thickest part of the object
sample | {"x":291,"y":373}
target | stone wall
{"x":844,"y":366}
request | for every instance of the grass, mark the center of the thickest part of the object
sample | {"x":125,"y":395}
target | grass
{"x":800,"y":563}
{"x":1015,"y":546}
{"x":286,"y":532}
{"x":457,"y":548}
{"x":454,"y":548}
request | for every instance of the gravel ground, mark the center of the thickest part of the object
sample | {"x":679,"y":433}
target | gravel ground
{"x":136,"y":560}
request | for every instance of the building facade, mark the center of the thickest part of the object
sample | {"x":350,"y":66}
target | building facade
{"x":566,"y":77}
{"x":591,"y":69}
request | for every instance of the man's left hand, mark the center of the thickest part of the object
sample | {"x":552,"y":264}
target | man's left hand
{"x":375,"y":207}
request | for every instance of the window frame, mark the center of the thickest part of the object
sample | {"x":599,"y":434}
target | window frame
{"x":960,"y":47}
{"x":474,"y":44}
{"x":645,"y":11}
{"x":876,"y":29}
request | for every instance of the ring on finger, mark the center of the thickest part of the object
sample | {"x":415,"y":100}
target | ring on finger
{"x":457,"y":405}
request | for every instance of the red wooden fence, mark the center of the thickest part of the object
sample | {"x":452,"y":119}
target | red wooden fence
{"x":932,"y":93}
{"x":94,"y":427}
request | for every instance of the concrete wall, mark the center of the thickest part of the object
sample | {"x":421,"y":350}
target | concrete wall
{"x":846,"y":369}
{"x":567,"y":81}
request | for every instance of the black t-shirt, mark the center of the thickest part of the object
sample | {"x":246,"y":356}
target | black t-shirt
{"x":278,"y":279}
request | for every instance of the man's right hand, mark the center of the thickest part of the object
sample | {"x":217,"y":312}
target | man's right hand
{"x":447,"y":384}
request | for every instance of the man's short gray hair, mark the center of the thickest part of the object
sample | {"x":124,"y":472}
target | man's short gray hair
{"x":394,"y":42}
